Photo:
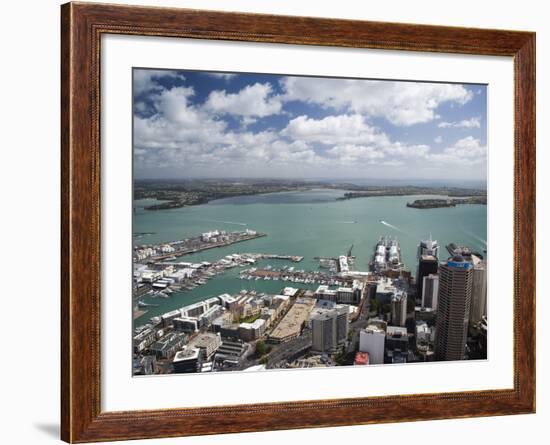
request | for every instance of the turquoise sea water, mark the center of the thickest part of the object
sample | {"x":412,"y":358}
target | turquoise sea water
{"x":310,"y":223}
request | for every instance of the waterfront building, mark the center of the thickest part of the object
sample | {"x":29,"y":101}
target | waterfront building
{"x":399,"y":308}
{"x":186,"y":324}
{"x":169,"y":317}
{"x":206,"y":318}
{"x":455,"y":291}
{"x":187,"y":360}
{"x":343,"y":263}
{"x":350,"y":295}
{"x":428,"y":247}
{"x":290,"y":291}
{"x":372,"y":340}
{"x":430,"y":290}
{"x":478,"y":306}
{"x":324,"y":293}
{"x":427,"y":265}
{"x":343,"y":294}
{"x":329,"y":326}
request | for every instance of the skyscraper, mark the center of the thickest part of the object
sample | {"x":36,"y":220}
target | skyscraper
{"x":478,"y":306}
{"x":329,"y":327}
{"x":399,"y":308}
{"x":455,"y":292}
{"x":428,"y":247}
{"x":430,"y":290}
{"x":427,"y":264}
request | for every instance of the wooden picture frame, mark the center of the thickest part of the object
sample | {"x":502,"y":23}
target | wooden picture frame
{"x":82,"y":26}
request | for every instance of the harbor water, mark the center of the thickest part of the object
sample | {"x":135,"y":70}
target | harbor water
{"x":305,"y":223}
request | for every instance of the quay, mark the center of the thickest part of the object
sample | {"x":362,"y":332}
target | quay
{"x":309,"y":277}
{"x":293,"y":258}
{"x":177,"y":251}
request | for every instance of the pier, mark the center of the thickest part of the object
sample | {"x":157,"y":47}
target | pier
{"x":174,"y":249}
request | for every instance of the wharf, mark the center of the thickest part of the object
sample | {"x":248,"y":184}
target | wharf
{"x":206,"y":246}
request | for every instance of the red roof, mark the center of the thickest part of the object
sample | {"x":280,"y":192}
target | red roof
{"x":362,"y":358}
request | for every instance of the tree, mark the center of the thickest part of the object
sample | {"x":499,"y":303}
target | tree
{"x":260,"y":348}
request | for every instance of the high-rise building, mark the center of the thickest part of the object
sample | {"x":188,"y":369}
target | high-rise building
{"x":399,"y":308}
{"x":428,"y":247}
{"x":329,"y":328}
{"x":478,"y":306}
{"x":455,"y":292}
{"x":427,"y":264}
{"x":372,"y":340}
{"x":430,"y":290}
{"x":397,"y":344}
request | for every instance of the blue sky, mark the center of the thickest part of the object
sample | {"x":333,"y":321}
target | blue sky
{"x":192,"y":124}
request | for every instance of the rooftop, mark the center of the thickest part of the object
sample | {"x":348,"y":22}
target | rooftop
{"x":292,"y":322}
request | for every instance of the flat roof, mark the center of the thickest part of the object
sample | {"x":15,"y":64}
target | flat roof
{"x":291,"y":324}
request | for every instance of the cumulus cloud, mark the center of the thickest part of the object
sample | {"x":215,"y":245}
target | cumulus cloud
{"x":466,"y":151}
{"x":474,"y":122}
{"x":146,"y":80}
{"x":401,"y":103}
{"x":352,"y":139}
{"x":252,"y":100}
{"x":330,"y":133}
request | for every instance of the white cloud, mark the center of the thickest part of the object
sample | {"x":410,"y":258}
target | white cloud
{"x":252,"y":100}
{"x":247,"y":120}
{"x":401,"y":103}
{"x":333,"y":130}
{"x":352,"y":139}
{"x":438,"y":139}
{"x":474,"y":122}
{"x":187,"y":138}
{"x":146,"y":80}
{"x":225,"y":76}
{"x":466,"y":151}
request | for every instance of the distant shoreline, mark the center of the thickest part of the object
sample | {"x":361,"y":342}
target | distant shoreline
{"x":437,"y":203}
{"x":176,"y":195}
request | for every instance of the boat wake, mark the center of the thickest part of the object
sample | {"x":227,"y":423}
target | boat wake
{"x":474,"y":236}
{"x":391,"y":226}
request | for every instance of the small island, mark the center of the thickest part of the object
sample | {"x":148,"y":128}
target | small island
{"x":436,"y":203}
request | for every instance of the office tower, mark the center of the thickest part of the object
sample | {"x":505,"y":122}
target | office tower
{"x":430,"y":290}
{"x":427,"y":264}
{"x":428,"y":247}
{"x":397,"y":344}
{"x":329,"y":328}
{"x":399,"y":308}
{"x":455,"y":292}
{"x":372,"y":340}
{"x":478,"y":306}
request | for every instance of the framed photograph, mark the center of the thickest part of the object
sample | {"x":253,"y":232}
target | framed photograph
{"x":274,"y":222}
